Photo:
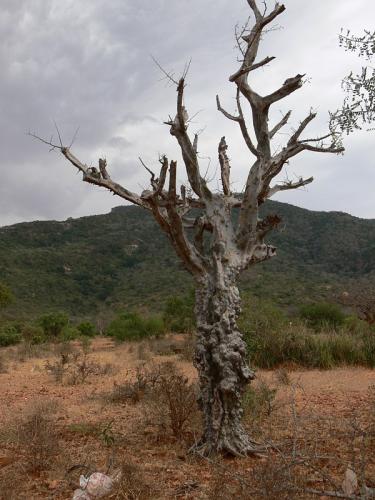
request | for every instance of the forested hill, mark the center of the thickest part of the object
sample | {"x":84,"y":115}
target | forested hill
{"x":122,"y":259}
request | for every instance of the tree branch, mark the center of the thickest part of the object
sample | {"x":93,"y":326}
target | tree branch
{"x":280,"y":125}
{"x":245,"y":132}
{"x":240,"y":119}
{"x":98,"y":177}
{"x":288,"y":87}
{"x":179,"y":130}
{"x":301,"y":128}
{"x":289,"y":185}
{"x":245,"y":70}
{"x":225,"y":113}
{"x":322,"y":149}
{"x":224,"y":166}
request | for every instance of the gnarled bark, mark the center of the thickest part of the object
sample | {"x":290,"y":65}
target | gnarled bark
{"x":220,"y":359}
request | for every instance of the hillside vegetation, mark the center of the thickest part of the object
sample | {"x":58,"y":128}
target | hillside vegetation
{"x":122,"y":259}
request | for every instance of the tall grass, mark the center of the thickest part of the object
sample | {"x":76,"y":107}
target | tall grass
{"x":273,"y":339}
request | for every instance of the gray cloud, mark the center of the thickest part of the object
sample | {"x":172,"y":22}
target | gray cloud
{"x":87,"y":63}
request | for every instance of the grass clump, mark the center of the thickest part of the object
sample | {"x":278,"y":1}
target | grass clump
{"x":132,"y":484}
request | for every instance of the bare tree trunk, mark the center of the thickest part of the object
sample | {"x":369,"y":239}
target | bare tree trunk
{"x":221,"y":363}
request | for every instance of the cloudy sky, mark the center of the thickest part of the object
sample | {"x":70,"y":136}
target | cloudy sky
{"x":87,"y":63}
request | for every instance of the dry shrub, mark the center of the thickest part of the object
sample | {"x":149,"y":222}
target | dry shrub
{"x":132,"y":391}
{"x":169,"y":398}
{"x":132,"y":484}
{"x":74,"y":366}
{"x":171,"y":405}
{"x":282,"y":376}
{"x":34,"y":434}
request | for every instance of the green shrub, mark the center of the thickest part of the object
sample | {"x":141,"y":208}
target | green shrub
{"x":69,"y":333}
{"x":273,"y":340}
{"x":33,"y":334}
{"x":322,"y":315}
{"x":86,"y":329}
{"x":178,"y":314}
{"x":7,"y":338}
{"x":53,"y":323}
{"x":131,"y":326}
{"x":10,"y":334}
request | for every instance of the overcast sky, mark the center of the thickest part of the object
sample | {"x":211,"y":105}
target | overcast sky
{"x":87,"y":63}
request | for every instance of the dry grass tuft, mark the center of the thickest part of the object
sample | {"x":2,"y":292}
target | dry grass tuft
{"x":34,"y":435}
{"x":132,"y":484}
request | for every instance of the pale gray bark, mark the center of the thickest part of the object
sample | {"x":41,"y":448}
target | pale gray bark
{"x":212,"y":248}
{"x":222,"y":366}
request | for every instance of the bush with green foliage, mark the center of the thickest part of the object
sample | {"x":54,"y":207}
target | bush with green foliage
{"x":10,"y":334}
{"x":33,"y":334}
{"x":69,"y":333}
{"x":53,"y":324}
{"x":322,"y":315}
{"x":179,"y":313}
{"x":86,"y":329}
{"x":273,"y":339}
{"x":132,"y":326}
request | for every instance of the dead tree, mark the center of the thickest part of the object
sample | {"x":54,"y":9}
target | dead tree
{"x":214,"y":248}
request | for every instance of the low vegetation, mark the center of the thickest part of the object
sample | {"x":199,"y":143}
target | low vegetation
{"x":318,"y":335}
{"x":133,"y":326}
{"x":307,"y":447}
{"x":322,"y":337}
{"x":34,"y":432}
{"x":73,"y":366}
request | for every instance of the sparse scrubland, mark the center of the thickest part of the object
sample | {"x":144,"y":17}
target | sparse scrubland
{"x":134,"y":410}
{"x":318,"y":335}
{"x":118,"y":395}
{"x":133,"y":406}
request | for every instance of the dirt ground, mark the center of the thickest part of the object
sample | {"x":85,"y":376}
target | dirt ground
{"x":324,"y":411}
